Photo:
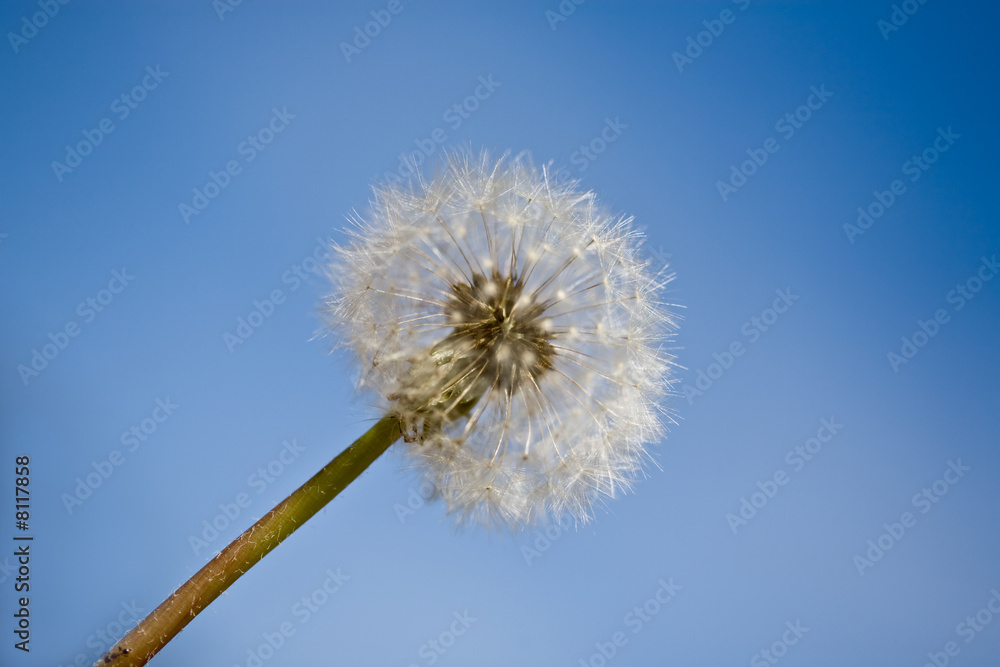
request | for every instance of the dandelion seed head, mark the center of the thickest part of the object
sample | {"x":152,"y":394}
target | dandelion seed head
{"x":513,"y":327}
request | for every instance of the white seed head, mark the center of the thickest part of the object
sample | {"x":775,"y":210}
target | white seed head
{"x":512,"y":326}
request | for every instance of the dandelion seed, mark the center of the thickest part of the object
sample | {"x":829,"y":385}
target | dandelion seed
{"x":516,"y":338}
{"x":512,"y":326}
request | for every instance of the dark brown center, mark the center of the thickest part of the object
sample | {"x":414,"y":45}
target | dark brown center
{"x":495,"y":319}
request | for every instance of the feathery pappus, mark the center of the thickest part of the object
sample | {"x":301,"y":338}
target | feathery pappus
{"x":513,"y":327}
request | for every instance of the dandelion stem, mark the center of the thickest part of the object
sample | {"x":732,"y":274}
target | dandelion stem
{"x":166,"y":621}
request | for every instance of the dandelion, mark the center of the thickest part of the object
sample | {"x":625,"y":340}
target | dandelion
{"x":516,"y":340}
{"x":511,"y":325}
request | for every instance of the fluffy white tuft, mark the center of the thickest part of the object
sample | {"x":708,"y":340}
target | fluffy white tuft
{"x":513,"y":327}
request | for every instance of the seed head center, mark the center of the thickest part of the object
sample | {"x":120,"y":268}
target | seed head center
{"x":502,"y":327}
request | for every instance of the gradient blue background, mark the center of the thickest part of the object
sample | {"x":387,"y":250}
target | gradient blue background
{"x":826,"y":357}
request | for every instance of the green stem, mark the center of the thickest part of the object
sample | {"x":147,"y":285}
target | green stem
{"x":152,"y":634}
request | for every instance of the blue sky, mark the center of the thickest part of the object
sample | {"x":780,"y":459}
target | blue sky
{"x":743,"y":136}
